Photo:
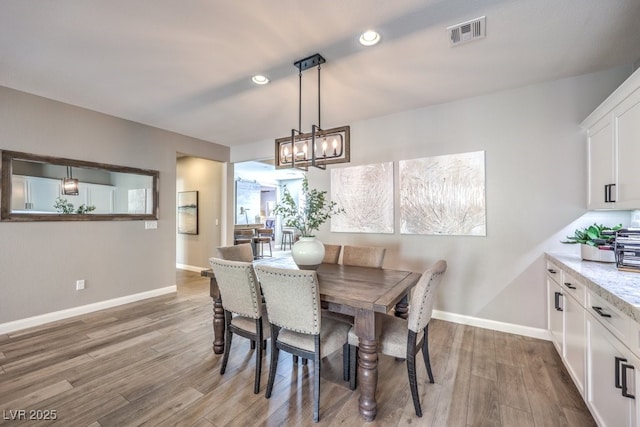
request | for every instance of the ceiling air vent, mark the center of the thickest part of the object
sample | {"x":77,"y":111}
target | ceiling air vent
{"x":467,"y":31}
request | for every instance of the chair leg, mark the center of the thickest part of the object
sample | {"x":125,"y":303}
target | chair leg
{"x":316,"y":380}
{"x":227,"y":342}
{"x":253,"y":345}
{"x":273,"y":366}
{"x":353,"y":362}
{"x":258,"y":345}
{"x":411,"y":371}
{"x":345,"y":362}
{"x":425,"y":353}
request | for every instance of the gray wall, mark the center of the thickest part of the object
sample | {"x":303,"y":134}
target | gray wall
{"x":206,"y":177}
{"x":40,"y":261}
{"x":535,"y":189}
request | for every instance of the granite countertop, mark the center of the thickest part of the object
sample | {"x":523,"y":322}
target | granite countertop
{"x":620,"y":288}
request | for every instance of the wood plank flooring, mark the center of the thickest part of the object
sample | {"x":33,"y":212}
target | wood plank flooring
{"x":151,"y":363}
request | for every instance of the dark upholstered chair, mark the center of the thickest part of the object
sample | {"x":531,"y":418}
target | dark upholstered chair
{"x":403,"y":339}
{"x":244,"y":313}
{"x":331,"y":253}
{"x":363,"y":256}
{"x":297,"y":327}
{"x":243,"y":252}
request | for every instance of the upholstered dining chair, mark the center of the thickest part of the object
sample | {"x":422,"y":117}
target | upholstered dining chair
{"x":244,"y":314}
{"x":363,"y":256}
{"x":331,"y":253}
{"x":403,"y":339}
{"x":243,"y":252}
{"x":297,"y":327}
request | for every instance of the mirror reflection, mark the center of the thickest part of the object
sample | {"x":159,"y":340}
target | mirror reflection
{"x":48,"y":188}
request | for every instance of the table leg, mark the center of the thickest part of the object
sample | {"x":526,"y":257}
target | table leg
{"x":365,"y":323}
{"x":218,"y":326}
{"x":402,"y":308}
{"x":218,"y":314}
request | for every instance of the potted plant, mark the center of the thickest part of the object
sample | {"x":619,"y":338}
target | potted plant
{"x":306,"y":217}
{"x":595,"y":242}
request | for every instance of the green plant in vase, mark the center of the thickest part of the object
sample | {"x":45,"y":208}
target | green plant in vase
{"x":306,"y":217}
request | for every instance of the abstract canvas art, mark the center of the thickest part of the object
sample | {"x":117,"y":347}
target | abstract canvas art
{"x":366,"y":195}
{"x":443,"y":195}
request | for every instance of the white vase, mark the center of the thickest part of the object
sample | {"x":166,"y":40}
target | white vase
{"x":308,"y":253}
{"x":592,"y":253}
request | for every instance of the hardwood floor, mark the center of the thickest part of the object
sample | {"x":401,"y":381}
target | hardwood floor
{"x":151,"y":363}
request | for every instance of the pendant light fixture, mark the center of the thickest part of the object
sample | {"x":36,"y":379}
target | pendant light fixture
{"x":70,"y":184}
{"x":319,"y":147}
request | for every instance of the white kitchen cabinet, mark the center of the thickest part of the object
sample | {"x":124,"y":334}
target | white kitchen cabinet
{"x":574,"y":333}
{"x":555,"y":304}
{"x":33,"y":193}
{"x":627,"y":125}
{"x":613,"y":131}
{"x":612,"y":377}
{"x":601,"y":151}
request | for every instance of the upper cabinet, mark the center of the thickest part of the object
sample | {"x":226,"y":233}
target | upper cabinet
{"x":613,"y":136}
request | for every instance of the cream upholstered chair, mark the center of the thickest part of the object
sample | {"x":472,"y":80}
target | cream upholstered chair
{"x":244,"y":313}
{"x":243,"y":252}
{"x":331,"y":254}
{"x":293,"y":304}
{"x":363,"y":256}
{"x":405,"y":338}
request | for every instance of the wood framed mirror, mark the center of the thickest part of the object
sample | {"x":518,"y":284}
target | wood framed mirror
{"x":31,"y":189}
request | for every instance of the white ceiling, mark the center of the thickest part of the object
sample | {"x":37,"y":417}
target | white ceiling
{"x":185,"y":66}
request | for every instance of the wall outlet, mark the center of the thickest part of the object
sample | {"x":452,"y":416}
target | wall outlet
{"x":79,"y":285}
{"x":150,"y":225}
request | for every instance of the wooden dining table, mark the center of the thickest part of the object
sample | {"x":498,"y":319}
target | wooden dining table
{"x":361,"y":292}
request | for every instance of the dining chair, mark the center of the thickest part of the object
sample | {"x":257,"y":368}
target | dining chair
{"x":242,"y":252}
{"x":297,"y":327}
{"x":403,"y":339}
{"x":242,"y":236}
{"x":244,"y":313}
{"x":264,"y":235}
{"x":331,"y":253}
{"x":363,"y":256}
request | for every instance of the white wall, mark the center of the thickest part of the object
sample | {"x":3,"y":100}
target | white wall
{"x":206,"y":177}
{"x":535,"y":189}
{"x":40,"y":261}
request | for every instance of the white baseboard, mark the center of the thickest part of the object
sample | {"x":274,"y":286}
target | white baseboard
{"x":494,"y":325}
{"x":30,"y":322}
{"x":190,"y":268}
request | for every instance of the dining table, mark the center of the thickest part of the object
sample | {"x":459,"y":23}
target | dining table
{"x":362,"y":292}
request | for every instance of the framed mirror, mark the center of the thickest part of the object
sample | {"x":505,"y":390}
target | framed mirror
{"x":45,"y":188}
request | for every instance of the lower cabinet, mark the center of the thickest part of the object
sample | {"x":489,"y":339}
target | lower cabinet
{"x":555,"y":313}
{"x":574,"y":342}
{"x":612,"y":378}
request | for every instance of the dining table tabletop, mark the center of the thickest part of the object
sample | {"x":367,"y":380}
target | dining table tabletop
{"x":362,"y":292}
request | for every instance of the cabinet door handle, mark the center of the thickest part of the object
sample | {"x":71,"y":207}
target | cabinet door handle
{"x":625,"y":391}
{"x":618,"y":360}
{"x":600,"y":312}
{"x":608,"y":193}
{"x":551,"y":270}
{"x":569,"y":285}
{"x":557,"y":301}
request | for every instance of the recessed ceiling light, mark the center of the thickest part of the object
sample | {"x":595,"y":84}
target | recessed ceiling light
{"x":369,"y":38}
{"x":259,"y":79}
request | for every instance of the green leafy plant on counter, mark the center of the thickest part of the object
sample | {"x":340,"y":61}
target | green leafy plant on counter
{"x":594,"y":235}
{"x":64,"y":206}
{"x":314,"y":210}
